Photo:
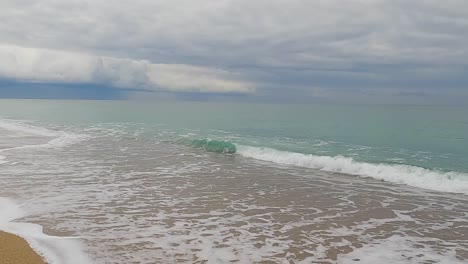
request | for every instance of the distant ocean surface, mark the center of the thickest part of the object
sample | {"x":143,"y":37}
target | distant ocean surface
{"x":146,"y":182}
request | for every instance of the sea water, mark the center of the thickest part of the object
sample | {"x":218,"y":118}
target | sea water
{"x":155,"y":182}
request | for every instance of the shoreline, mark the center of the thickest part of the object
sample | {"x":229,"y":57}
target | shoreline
{"x":26,"y":243}
{"x":16,"y":250}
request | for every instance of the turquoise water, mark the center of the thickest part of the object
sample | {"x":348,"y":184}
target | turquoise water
{"x":433,"y":137}
{"x":146,"y":182}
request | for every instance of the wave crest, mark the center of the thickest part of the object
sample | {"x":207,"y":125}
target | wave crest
{"x":219,"y":146}
{"x":456,"y":182}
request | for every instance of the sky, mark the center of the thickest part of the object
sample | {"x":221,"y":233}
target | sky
{"x":357,"y":51}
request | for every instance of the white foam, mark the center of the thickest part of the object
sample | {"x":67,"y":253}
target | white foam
{"x":64,"y":139}
{"x":59,"y":138}
{"x":396,"y":250}
{"x":456,"y":182}
{"x":21,"y":126}
{"x":2,"y":159}
{"x":54,"y":250}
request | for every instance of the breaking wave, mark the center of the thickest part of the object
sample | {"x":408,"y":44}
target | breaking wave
{"x":219,"y":146}
{"x":456,"y":182}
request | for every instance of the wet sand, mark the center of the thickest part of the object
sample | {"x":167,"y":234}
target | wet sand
{"x":134,"y":201}
{"x":15,"y":250}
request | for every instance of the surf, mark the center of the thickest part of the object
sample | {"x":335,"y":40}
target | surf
{"x":54,"y":138}
{"x":53,"y":249}
{"x":455,"y":182}
{"x":210,"y":145}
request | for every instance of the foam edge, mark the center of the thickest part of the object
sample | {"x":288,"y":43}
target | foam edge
{"x":54,"y":250}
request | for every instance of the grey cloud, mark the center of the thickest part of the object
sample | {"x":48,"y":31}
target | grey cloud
{"x":338,"y":44}
{"x":262,"y":32}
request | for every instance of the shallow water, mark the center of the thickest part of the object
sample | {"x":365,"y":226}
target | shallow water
{"x":120,"y":192}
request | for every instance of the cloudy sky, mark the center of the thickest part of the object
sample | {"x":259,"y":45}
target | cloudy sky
{"x":377,"y":51}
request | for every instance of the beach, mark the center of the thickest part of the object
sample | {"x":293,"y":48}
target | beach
{"x":108,"y":189}
{"x":15,"y":250}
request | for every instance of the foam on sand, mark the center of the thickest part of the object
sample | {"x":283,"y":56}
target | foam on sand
{"x":455,"y":182}
{"x":54,"y":250}
{"x":398,"y":249}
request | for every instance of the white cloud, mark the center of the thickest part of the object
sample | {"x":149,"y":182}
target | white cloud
{"x":185,"y":77}
{"x":42,"y":65}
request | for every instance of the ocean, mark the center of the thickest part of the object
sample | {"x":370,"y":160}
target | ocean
{"x":201,"y":182}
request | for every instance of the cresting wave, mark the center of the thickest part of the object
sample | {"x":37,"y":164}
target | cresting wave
{"x":219,"y":146}
{"x":455,"y":182}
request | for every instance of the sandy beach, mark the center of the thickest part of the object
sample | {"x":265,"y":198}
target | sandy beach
{"x":118,"y":192}
{"x":15,"y":250}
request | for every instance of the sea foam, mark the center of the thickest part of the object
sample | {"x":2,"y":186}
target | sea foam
{"x":54,"y":250}
{"x":455,"y":182}
{"x":398,"y":249}
{"x":24,"y":127}
{"x":56,"y":139}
